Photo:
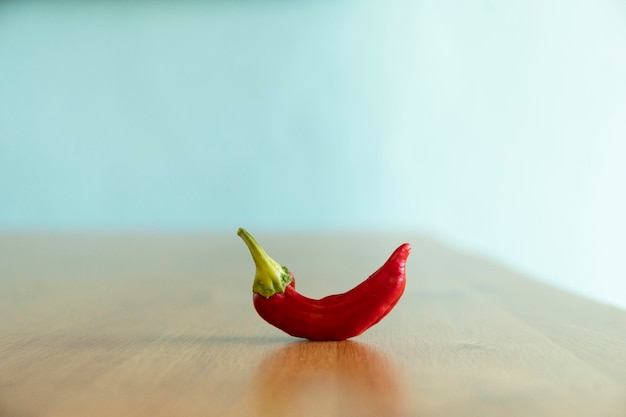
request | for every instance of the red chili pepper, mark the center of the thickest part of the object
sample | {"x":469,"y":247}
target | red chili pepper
{"x":336,"y":317}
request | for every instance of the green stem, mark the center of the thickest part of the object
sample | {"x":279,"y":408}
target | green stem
{"x":271,"y":277}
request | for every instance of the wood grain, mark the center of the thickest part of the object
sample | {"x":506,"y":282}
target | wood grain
{"x":163,"y":325}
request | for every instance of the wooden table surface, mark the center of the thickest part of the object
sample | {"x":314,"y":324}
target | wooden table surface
{"x":163,"y":325}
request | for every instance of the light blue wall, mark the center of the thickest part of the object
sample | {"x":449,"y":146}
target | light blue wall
{"x":499,"y":126}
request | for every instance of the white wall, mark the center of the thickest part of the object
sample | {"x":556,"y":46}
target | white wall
{"x":500,"y":127}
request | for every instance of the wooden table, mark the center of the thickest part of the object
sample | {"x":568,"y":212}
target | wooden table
{"x":159,"y":325}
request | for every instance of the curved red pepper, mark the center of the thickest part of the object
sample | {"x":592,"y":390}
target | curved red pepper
{"x":336,"y":317}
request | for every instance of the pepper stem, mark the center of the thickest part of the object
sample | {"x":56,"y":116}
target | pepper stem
{"x":271,"y":277}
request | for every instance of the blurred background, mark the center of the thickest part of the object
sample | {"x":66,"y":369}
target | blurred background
{"x":499,"y":127}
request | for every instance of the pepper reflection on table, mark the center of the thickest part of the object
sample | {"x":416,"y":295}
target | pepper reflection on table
{"x":304,"y":378}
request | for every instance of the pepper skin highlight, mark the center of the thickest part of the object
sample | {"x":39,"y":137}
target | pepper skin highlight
{"x":335,"y":317}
